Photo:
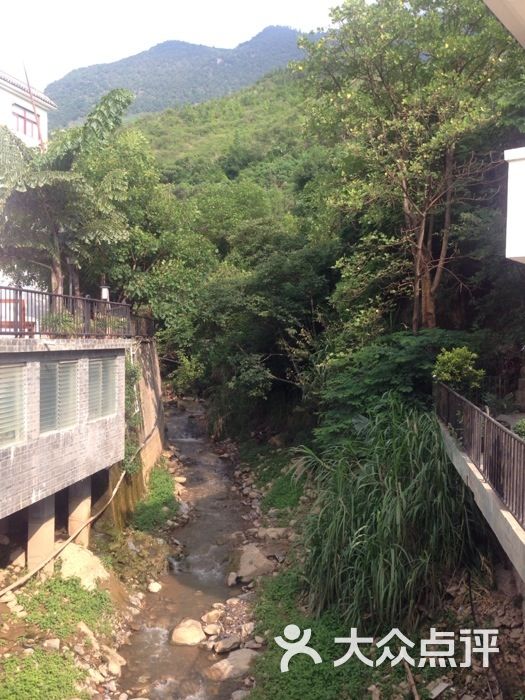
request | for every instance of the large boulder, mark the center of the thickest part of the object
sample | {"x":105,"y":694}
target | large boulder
{"x":188,"y":632}
{"x":79,"y":562}
{"x":236,"y":665}
{"x":251,"y":562}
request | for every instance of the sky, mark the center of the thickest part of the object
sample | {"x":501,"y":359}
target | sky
{"x":51,"y":37}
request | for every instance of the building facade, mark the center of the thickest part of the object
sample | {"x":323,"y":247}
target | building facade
{"x":24,"y":110}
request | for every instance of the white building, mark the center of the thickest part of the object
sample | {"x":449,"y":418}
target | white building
{"x":24,"y":110}
{"x":511,"y":14}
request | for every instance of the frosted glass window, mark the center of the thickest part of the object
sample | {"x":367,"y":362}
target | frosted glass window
{"x":58,"y":395}
{"x":102,"y":387}
{"x":12,"y":404}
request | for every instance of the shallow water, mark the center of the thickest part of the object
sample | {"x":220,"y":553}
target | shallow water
{"x":156,"y":669}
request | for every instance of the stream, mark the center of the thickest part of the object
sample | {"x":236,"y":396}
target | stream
{"x":155,"y":669}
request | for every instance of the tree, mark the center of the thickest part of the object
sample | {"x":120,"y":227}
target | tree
{"x":410,"y":89}
{"x":52,"y":214}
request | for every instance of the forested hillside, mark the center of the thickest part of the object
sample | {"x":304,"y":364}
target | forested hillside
{"x":173,"y":73}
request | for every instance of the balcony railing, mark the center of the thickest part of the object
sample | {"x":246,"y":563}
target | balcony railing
{"x":29,"y":313}
{"x":498,"y":453}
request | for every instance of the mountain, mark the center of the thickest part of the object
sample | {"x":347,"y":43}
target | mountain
{"x":259,"y":128}
{"x":174,"y":73}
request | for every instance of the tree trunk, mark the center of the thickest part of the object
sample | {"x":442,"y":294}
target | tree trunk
{"x":428,"y":301}
{"x":57,"y":277}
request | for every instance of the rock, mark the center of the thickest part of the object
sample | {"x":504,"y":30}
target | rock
{"x":212,"y":630}
{"x":236,"y":665}
{"x":438,"y":687}
{"x":112,"y":657}
{"x":232,"y":578}
{"x":53,"y":644}
{"x":8,"y":597}
{"x":272,"y":533}
{"x":180,"y":479}
{"x":123,"y":696}
{"x":154,"y":587}
{"x":240,"y":694}
{"x":79,"y":562}
{"x":228,"y":644}
{"x":188,"y":632}
{"x":28,"y":652}
{"x":84,"y":629}
{"x":252,"y":563}
{"x":212,"y":617}
{"x":96,"y":675}
{"x":259,"y":639}
{"x":252,"y":644}
{"x":247,"y":629}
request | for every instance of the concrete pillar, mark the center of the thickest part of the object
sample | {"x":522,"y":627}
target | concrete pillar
{"x":41,"y":533}
{"x":80,"y":509}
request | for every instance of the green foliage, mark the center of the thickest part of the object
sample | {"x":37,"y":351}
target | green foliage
{"x":133,"y":416}
{"x":380,"y":547}
{"x":401,"y":362}
{"x":519,"y":428}
{"x":57,"y":605}
{"x":61,"y":323}
{"x":174,"y":73}
{"x":279,"y":605}
{"x":457,"y":368}
{"x":411,"y":92}
{"x":160,"y":503}
{"x":41,"y":676}
{"x":257,"y":130}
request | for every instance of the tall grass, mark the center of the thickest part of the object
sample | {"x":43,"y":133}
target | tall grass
{"x":391,"y":520}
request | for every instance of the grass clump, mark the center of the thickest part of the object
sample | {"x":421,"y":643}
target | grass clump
{"x":160,"y":504}
{"x":277,"y":607}
{"x":57,"y":605}
{"x":391,"y":520}
{"x":269,"y":465}
{"x":41,"y":676}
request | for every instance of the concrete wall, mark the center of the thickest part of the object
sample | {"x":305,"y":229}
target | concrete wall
{"x":150,"y":390}
{"x":42,"y":464}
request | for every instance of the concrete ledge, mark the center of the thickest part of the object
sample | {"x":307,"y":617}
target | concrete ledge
{"x":30,"y":345}
{"x":507,"y":529}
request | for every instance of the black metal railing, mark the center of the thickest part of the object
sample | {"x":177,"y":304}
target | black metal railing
{"x":497,"y":452}
{"x":29,"y":313}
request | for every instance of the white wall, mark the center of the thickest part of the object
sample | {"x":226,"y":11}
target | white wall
{"x":7,"y":100}
{"x":515,"y":248}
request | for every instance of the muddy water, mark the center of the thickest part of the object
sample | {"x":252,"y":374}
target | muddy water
{"x":156,"y":669}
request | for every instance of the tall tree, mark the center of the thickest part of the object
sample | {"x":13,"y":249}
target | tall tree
{"x":408,"y":88}
{"x":51,"y":212}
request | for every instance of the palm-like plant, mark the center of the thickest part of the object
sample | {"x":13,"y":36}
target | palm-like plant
{"x":53,"y":213}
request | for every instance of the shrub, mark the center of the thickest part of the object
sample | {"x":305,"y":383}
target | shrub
{"x":391,"y":520}
{"x":457,"y":368}
{"x":401,"y":362}
{"x":519,"y":428}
